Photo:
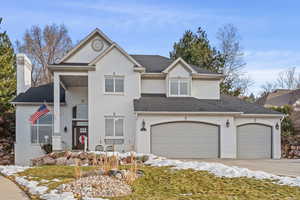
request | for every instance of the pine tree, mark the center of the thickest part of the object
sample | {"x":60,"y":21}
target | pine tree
{"x":7,"y":72}
{"x":195,"y":49}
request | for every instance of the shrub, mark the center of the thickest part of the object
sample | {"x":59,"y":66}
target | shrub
{"x":286,"y":124}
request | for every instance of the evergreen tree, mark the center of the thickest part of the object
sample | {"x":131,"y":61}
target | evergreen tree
{"x":7,"y":72}
{"x":195,"y":49}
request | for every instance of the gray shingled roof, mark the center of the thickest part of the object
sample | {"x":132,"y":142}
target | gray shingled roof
{"x":157,"y":63}
{"x":161,"y":103}
{"x":280,"y":98}
{"x":152,"y":63}
{"x":43,"y":93}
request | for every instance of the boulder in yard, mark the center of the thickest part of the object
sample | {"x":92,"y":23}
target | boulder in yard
{"x":48,"y":161}
{"x":61,"y":161}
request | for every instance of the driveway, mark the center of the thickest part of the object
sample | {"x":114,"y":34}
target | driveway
{"x":10,"y":191}
{"x":282,"y":167}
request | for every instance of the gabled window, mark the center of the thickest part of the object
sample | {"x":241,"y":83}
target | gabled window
{"x":42,"y":130}
{"x":114,"y":84}
{"x":114,"y":126}
{"x":179,"y":87}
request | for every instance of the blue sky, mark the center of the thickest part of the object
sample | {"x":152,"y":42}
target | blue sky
{"x":270,"y":30}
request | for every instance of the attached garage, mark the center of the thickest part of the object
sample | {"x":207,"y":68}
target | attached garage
{"x":185,"y":140}
{"x":254,"y":141}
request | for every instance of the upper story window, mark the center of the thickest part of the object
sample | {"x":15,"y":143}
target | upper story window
{"x":41,"y":131}
{"x":114,"y":84}
{"x":179,"y":87}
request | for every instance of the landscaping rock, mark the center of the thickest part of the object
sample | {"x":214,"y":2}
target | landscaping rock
{"x":97,"y":186}
{"x":49,"y":161}
{"x":290,"y":147}
{"x":6,"y":151}
{"x":70,"y":161}
{"x":61,"y":161}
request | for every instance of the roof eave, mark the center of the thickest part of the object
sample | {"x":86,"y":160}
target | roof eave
{"x":189,"y":112}
{"x":53,"y":68}
{"x":35,"y":103}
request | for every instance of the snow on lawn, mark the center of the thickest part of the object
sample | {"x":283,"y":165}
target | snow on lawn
{"x":214,"y":168}
{"x":223,"y":170}
{"x":9,"y":170}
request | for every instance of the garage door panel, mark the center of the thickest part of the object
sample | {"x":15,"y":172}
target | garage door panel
{"x":185,"y":140}
{"x":254,"y":141}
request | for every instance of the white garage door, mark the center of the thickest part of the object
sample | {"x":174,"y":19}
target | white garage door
{"x":185,"y":140}
{"x":254,"y":141}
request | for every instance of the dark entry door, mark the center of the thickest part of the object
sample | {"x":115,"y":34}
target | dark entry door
{"x":79,"y":131}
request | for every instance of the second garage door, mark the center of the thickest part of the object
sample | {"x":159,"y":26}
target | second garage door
{"x":185,"y":140}
{"x":254,"y":141}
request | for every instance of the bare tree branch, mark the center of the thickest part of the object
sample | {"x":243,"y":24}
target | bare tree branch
{"x":229,"y":44}
{"x":44,"y":46}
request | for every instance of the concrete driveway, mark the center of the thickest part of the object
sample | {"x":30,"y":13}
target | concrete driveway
{"x":282,"y":167}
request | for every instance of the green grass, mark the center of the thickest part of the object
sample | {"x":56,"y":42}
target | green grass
{"x":166,"y":184}
{"x":65,"y":174}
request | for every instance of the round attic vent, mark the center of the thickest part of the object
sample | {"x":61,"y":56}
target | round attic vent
{"x":97,"y":44}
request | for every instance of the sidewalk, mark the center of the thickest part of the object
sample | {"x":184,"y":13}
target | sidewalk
{"x":10,"y":191}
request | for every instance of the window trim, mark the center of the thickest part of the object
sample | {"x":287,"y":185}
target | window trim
{"x":188,"y":80}
{"x":114,"y":77}
{"x":115,"y":118}
{"x":37,"y":131}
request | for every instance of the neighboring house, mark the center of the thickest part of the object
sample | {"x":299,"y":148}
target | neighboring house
{"x":281,"y":97}
{"x":146,"y":103}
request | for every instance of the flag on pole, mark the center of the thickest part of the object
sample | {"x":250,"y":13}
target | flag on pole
{"x":40,"y":112}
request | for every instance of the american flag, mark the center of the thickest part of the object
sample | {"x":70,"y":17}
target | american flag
{"x":40,"y":112}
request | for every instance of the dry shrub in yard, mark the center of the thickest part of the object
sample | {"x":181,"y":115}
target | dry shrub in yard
{"x":77,"y":170}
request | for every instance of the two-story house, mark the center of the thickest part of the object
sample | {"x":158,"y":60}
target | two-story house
{"x":145,"y":103}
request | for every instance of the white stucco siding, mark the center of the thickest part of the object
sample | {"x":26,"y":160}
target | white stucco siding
{"x":86,"y":54}
{"x":157,"y":86}
{"x":179,"y":71}
{"x":276,"y":134}
{"x":24,"y":150}
{"x":101,"y":104}
{"x":206,"y":89}
{"x":227,"y":135}
{"x":74,"y":96}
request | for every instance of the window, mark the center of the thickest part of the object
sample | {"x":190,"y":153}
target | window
{"x":41,"y":131}
{"x":179,"y":87}
{"x":114,"y":84}
{"x":114,"y":126}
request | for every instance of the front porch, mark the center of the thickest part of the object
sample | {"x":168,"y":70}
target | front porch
{"x":71,"y":122}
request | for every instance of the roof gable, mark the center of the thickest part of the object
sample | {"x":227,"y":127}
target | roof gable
{"x":115,"y":46}
{"x":83,"y":51}
{"x":184,"y":64}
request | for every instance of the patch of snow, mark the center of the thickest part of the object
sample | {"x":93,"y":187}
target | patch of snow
{"x":54,"y":195}
{"x":9,"y":170}
{"x":221,"y":170}
{"x":31,"y":185}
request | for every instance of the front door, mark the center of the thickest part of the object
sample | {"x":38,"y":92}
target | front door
{"x":78,"y":131}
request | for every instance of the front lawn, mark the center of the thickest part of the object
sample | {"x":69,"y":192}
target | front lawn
{"x":168,"y":184}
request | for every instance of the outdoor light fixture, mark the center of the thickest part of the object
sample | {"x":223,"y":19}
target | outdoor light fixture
{"x":143,"y":126}
{"x":227,"y":123}
{"x":65,"y":129}
{"x":277,"y":126}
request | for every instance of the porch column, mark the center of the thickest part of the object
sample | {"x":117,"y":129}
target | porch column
{"x":56,"y":139}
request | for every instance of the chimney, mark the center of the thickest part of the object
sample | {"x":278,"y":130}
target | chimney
{"x":24,"y":68}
